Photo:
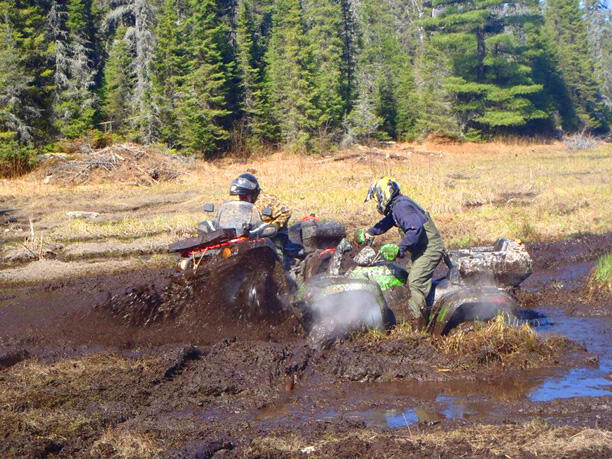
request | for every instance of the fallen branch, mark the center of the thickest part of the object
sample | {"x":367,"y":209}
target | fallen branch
{"x":366,"y":154}
{"x":123,"y":163}
{"x":438,"y":154}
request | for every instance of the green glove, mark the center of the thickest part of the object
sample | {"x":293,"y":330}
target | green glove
{"x":389,"y":251}
{"x":361,"y":236}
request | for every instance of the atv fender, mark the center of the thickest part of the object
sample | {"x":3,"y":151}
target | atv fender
{"x":335,"y":306}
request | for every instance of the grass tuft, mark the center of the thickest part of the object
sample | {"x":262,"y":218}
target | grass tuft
{"x":498,"y":341}
{"x":601,"y":277}
{"x":118,"y":442}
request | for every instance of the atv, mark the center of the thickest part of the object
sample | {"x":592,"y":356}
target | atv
{"x":369,"y":291}
{"x":236,"y":249}
{"x":254,"y":267}
{"x":332,"y":293}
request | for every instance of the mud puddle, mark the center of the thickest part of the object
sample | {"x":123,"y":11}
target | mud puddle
{"x":590,"y":381}
{"x":407,"y":403}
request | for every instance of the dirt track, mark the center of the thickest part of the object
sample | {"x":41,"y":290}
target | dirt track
{"x":81,"y":376}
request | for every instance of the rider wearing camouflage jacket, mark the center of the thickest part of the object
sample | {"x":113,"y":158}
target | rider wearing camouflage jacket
{"x":280,"y":213}
{"x":247,"y":188}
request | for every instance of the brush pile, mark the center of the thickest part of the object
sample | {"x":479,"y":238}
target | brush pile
{"x":125,"y":163}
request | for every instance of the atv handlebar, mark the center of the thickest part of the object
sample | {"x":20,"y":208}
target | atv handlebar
{"x":266,"y":230}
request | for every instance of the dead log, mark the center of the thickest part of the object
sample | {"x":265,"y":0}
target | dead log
{"x":365,"y":154}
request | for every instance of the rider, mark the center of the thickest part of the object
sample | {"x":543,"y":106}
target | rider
{"x":420,"y":237}
{"x":247,"y":188}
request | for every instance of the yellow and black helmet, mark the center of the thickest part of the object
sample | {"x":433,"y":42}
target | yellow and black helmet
{"x":383,"y":190}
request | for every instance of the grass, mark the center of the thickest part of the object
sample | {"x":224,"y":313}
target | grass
{"x":119,"y":442}
{"x":601,"y":277}
{"x":531,"y":438}
{"x":69,"y":399}
{"x":476,"y":193}
{"x":125,"y":227}
{"x":499,"y":342}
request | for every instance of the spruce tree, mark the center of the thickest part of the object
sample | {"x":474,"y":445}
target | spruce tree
{"x":139,"y":18}
{"x":389,"y":37}
{"x":117,"y":83}
{"x":169,"y":67}
{"x":290,"y":79}
{"x":27,"y":19}
{"x":568,"y":29}
{"x":14,"y":129}
{"x":257,"y":118}
{"x":324,"y":21}
{"x":201,"y":107}
{"x":74,"y":105}
{"x":13,"y":84}
{"x":491,"y":83}
{"x":350,"y":51}
{"x":599,"y":17}
{"x":379,"y":68}
{"x":433,"y":101}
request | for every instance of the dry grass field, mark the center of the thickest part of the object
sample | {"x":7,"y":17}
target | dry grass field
{"x":475,"y":192}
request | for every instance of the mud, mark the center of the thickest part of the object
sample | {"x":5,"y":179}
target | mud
{"x":134,"y":364}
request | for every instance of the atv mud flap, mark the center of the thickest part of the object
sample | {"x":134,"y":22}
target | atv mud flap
{"x":470,"y":305}
{"x":336,"y":306}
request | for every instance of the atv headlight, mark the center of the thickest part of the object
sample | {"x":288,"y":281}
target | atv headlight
{"x":184,"y":264}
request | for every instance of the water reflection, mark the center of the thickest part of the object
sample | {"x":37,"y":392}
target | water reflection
{"x":594,"y":334}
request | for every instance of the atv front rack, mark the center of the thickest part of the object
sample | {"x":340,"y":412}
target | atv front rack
{"x":204,"y":242}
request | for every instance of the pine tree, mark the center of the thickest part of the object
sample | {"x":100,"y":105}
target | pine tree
{"x":201,"y":107}
{"x":257,"y":117}
{"x":566,"y":25}
{"x":492,"y":85}
{"x":74,"y":106}
{"x":290,"y":79}
{"x":117,"y":83}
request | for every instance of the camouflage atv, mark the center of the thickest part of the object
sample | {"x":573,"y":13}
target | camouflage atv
{"x":479,"y":286}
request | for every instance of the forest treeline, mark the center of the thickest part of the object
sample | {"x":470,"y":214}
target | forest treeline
{"x":208,"y":76}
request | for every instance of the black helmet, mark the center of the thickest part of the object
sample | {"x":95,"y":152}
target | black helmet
{"x":245,"y":184}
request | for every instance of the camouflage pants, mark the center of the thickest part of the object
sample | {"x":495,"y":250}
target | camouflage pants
{"x":424,"y":262}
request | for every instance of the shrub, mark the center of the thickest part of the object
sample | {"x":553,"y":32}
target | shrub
{"x":580,"y":142}
{"x":15,"y":159}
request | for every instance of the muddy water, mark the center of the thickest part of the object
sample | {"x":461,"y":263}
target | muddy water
{"x":590,"y":381}
{"x":406,"y":403}
{"x":555,"y":291}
